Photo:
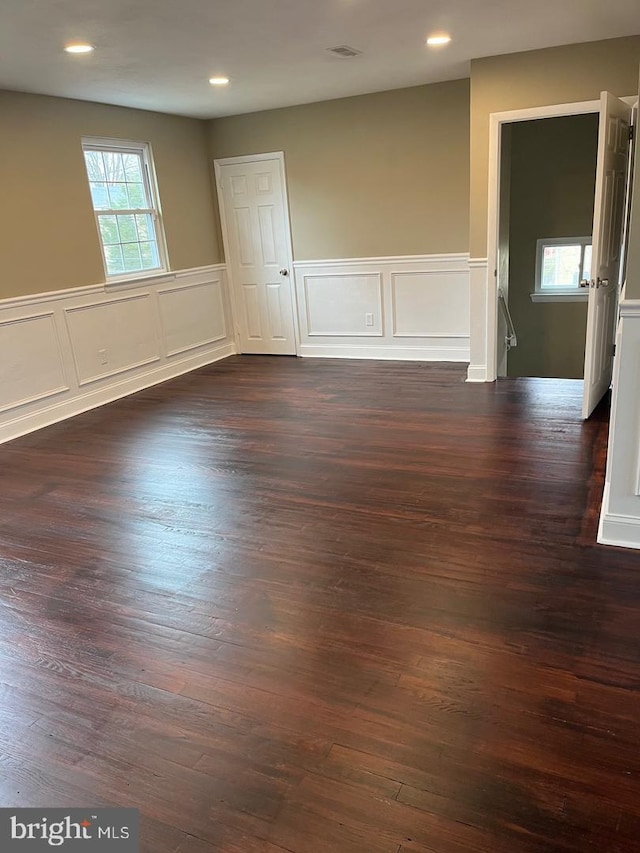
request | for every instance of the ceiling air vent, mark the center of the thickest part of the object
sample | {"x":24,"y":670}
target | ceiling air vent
{"x":344,"y":51}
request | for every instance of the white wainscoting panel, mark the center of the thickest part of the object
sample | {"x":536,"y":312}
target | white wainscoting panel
{"x":620,"y":514}
{"x":67,"y":351}
{"x":340,"y":303}
{"x":36,"y":374}
{"x":111,"y":336}
{"x":430,"y":304}
{"x":192,"y":315}
{"x":412,"y":307}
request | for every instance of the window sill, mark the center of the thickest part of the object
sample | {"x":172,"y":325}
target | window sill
{"x":581,"y":295}
{"x":137,"y":280}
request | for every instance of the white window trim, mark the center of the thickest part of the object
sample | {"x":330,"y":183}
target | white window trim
{"x":573,"y":295}
{"x":144,"y":148}
{"x":556,"y":294}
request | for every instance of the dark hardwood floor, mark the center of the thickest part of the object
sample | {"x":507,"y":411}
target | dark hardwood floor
{"x":323,"y":606}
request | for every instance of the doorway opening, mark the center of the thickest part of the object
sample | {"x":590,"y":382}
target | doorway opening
{"x":548,"y":173}
{"x":602,"y":259}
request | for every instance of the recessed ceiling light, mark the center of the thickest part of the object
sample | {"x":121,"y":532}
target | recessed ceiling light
{"x":79,"y":48}
{"x":438,"y":40}
{"x":219,"y":81}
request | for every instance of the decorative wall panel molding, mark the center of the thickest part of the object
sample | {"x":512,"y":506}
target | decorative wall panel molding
{"x":64,"y":352}
{"x":181,"y":311}
{"x":414,"y":307}
{"x":620,"y":513}
{"x":37,"y":374}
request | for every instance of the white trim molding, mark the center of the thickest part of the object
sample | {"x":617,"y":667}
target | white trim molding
{"x":620,"y":513}
{"x":630,"y":308}
{"x":484,"y":335}
{"x":64,"y":352}
{"x":411,"y":307}
{"x":620,"y":530}
{"x":452,"y":258}
{"x":480,"y":302}
{"x":561,"y":296}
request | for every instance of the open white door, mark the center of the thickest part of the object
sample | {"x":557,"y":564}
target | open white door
{"x":608,"y":218}
{"x":252,"y":192}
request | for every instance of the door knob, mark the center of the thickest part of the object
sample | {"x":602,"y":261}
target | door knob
{"x":284,"y":272}
{"x":584,"y":282}
{"x":602,"y":282}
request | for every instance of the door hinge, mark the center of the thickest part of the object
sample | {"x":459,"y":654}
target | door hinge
{"x":631,"y":132}
{"x":613,"y":350}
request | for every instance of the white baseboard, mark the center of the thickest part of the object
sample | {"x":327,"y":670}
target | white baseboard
{"x":414,"y":307}
{"x":614,"y":529}
{"x":385,"y":353}
{"x":477,"y":373}
{"x":65,"y":352}
{"x":68,"y":408}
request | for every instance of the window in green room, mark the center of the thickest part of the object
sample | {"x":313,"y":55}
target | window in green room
{"x":562,"y":263}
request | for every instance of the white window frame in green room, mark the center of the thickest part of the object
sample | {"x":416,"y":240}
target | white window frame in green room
{"x":556,"y":293}
{"x":152,"y":210}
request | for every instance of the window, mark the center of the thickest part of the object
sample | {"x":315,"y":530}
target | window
{"x":126,"y":207}
{"x":561,"y":264}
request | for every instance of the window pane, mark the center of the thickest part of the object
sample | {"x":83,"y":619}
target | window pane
{"x":132,"y":168}
{"x":561,"y":266}
{"x":586,"y":269}
{"x":118,"y":196}
{"x":131,"y":255}
{"x":108,"y":230}
{"x":127,"y":227}
{"x":149,"y":254}
{"x":114,"y":261}
{"x":144,"y":221}
{"x":137,"y":196}
{"x":118,"y":182}
{"x":95,"y":165}
{"x":99,"y":196}
{"x":114,"y":168}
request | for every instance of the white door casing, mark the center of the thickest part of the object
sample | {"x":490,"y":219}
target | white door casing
{"x":608,"y":221}
{"x":484,"y":342}
{"x":257,"y":242}
{"x":502,"y":265}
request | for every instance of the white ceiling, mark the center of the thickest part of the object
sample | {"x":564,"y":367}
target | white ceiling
{"x":159,"y":54}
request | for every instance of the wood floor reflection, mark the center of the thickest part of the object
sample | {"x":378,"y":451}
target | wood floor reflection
{"x":323,"y":607}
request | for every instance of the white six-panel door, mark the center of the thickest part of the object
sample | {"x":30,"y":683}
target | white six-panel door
{"x":255,"y":224}
{"x":608,"y":220}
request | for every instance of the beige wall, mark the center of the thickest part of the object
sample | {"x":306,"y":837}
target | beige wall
{"x":553,"y":167}
{"x":48,"y":238}
{"x":374,"y":175}
{"x":537,"y":78}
